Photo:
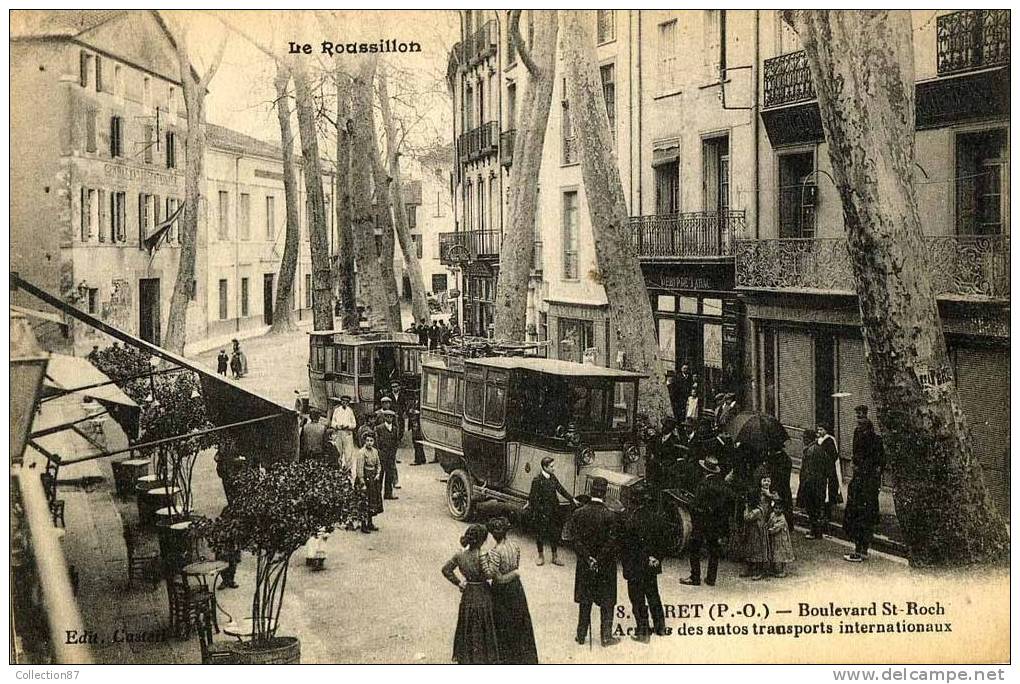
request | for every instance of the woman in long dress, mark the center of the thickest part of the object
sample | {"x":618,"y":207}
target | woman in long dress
{"x":474,"y":642}
{"x":368,"y":469}
{"x":514,"y":632}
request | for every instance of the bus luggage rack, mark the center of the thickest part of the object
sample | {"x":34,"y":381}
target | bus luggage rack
{"x":477,"y":347}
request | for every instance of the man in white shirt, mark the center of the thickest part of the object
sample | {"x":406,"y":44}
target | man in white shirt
{"x":344,"y":422}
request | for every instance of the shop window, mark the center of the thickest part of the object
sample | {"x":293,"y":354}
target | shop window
{"x":575,"y":336}
{"x":666,"y":303}
{"x":667,"y":342}
{"x":982,"y":176}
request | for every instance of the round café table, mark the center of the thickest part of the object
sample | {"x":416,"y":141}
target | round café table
{"x":203,"y":572}
{"x":154,"y":499}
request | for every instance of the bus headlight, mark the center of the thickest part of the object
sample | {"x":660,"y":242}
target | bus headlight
{"x":632,"y":454}
{"x":586,"y":456}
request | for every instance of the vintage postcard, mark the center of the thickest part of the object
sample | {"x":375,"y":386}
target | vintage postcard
{"x":488,"y":336}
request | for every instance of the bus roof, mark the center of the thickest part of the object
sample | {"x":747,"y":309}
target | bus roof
{"x":554,"y":367}
{"x":381,"y":337}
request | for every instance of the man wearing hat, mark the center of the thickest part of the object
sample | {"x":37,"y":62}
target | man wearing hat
{"x":666,"y":450}
{"x":417,"y":436}
{"x":386,"y":441}
{"x":545,"y":509}
{"x":386,"y":404}
{"x":399,"y":405}
{"x":861,"y":514}
{"x":594,"y":528}
{"x":313,"y":436}
{"x":710,"y":517}
{"x":344,"y":423}
{"x":644,"y":541}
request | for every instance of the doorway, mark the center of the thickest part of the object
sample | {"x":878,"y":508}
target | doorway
{"x":825,"y":382}
{"x":267,"y":298}
{"x":688,"y":345}
{"x":148,"y":310}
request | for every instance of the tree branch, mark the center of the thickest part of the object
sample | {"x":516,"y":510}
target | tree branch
{"x":215,"y":65}
{"x":515,"y":36}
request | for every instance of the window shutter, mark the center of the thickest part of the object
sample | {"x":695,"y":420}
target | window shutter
{"x":84,"y":68}
{"x":796,"y":379}
{"x":84,"y":216}
{"x":99,"y":74}
{"x":101,"y":199}
{"x":157,"y":208}
{"x":141,"y":221}
{"x":114,"y":237}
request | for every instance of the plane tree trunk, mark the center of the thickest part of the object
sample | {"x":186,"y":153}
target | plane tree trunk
{"x":863,"y":71}
{"x":517,"y":252}
{"x":194,"y":88}
{"x":419,"y":303}
{"x":363,"y":213}
{"x":619,"y":272}
{"x":322,"y":293}
{"x":282,"y":321}
{"x":344,"y":261}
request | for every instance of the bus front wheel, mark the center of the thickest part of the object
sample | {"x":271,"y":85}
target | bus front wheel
{"x":460,"y":495}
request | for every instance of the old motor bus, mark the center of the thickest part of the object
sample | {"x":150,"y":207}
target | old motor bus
{"x":492,"y":420}
{"x":361,"y":366}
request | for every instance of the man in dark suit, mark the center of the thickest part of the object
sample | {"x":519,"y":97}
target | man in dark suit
{"x":545,"y":509}
{"x":643,"y":544}
{"x":594,"y":533}
{"x":399,"y":405}
{"x":386,"y":441}
{"x":862,"y":511}
{"x":680,"y":391}
{"x":710,"y":517}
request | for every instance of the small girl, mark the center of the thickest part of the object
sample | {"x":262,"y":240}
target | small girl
{"x":779,"y":539}
{"x":756,"y":551}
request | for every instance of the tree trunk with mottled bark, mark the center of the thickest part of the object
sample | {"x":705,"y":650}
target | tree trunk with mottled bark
{"x":344,"y":262}
{"x":194,"y":89}
{"x":419,"y":303}
{"x":363,"y":213}
{"x":863,"y":72}
{"x":284,"y":302}
{"x":384,"y":226}
{"x":619,"y":271}
{"x":322,"y":293}
{"x":517,"y":252}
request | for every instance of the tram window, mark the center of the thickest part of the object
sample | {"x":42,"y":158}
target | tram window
{"x":473,"y":399}
{"x":345,"y":361}
{"x":448,"y":396}
{"x":431,"y":398}
{"x":330,"y":359}
{"x":317,"y":359}
{"x":495,"y":405}
{"x":364,"y":361}
{"x":624,"y":401}
{"x":460,"y":395}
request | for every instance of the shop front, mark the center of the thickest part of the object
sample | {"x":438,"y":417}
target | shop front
{"x":698,"y":323}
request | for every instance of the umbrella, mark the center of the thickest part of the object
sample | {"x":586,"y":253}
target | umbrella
{"x":757,"y":431}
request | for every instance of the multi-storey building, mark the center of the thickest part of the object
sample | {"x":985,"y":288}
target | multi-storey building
{"x":795,"y":276}
{"x":97,"y":152}
{"x":242,"y":233}
{"x":735,"y":217}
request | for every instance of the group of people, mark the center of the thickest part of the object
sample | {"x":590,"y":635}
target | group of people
{"x":237,"y":361}
{"x":368,"y":451}
{"x":434,"y":335}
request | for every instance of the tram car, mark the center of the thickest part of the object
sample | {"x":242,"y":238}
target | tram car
{"x":490,"y":422}
{"x":362,"y":366}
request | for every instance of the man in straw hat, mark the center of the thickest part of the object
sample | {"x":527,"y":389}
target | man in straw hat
{"x":594,"y":533}
{"x":710,"y":517}
{"x":344,"y":423}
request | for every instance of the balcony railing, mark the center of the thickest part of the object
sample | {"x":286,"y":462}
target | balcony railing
{"x":787,"y":80}
{"x":480,"y":244}
{"x":479,"y":142}
{"x":481,"y":44}
{"x":692,"y":234}
{"x":972,"y":39}
{"x":506,"y":146}
{"x":961,"y":265}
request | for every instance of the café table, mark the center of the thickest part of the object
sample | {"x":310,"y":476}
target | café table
{"x":242,"y":629}
{"x":204,"y":571}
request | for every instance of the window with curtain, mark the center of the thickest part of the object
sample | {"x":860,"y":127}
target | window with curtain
{"x":667,"y":56}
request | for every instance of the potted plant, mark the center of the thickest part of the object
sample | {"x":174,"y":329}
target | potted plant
{"x":274,"y":513}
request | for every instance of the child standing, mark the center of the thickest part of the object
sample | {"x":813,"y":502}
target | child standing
{"x":779,"y":539}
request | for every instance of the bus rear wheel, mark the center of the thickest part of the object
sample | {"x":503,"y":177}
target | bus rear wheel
{"x":460,"y":495}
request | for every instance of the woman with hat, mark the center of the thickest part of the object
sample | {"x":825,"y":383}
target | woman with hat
{"x":514,"y":632}
{"x":475,"y":641}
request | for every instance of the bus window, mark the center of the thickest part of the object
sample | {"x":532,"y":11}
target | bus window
{"x":315,"y":360}
{"x":448,"y":395}
{"x":329,"y":357}
{"x":495,"y":405}
{"x":624,"y":405}
{"x":431,"y":398}
{"x":473,"y":399}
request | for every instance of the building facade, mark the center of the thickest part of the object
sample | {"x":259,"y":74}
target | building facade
{"x":734,"y":215}
{"x":97,"y":162}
